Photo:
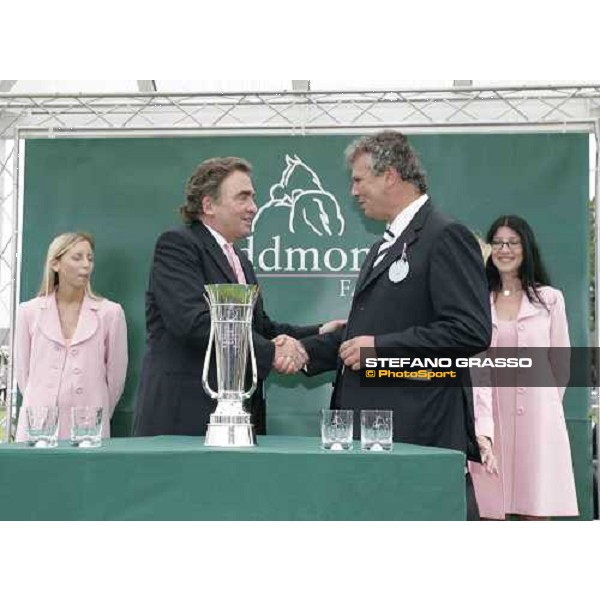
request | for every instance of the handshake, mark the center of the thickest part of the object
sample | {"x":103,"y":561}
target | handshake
{"x":290,"y":354}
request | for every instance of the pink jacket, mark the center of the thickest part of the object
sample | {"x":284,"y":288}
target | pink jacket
{"x":543,"y":474}
{"x":90,"y":371}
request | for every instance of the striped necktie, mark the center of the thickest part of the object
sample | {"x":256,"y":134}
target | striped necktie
{"x":235,"y":263}
{"x":388,"y":240}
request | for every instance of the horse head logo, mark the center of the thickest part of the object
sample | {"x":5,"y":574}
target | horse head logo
{"x":311,"y":206}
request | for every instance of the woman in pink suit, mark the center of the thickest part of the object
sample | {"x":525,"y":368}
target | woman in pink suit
{"x":71,"y":344}
{"x":532,"y":474}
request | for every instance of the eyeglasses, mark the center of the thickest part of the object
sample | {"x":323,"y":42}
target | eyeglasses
{"x":511,"y":244}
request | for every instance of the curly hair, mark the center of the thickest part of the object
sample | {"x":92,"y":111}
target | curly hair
{"x":390,"y":149}
{"x":206,"y":180}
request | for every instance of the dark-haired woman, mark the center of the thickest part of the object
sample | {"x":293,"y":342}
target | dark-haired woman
{"x":535,"y":475}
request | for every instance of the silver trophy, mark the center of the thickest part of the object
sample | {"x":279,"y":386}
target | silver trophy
{"x":231,"y":307}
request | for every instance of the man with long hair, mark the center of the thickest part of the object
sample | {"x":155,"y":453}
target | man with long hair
{"x":219,"y":210}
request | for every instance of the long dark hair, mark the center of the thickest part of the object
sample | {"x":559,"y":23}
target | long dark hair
{"x":532,"y":272}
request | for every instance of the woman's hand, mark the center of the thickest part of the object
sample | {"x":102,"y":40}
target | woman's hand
{"x":487,"y":454}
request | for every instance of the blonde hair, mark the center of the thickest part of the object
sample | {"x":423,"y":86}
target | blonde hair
{"x":59,"y":246}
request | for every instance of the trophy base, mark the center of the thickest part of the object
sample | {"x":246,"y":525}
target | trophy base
{"x":230,"y":435}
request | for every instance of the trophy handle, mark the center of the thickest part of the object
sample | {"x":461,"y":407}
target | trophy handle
{"x":214,"y":395}
{"x":252,"y":389}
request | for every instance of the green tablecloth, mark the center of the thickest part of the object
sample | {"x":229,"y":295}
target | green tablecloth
{"x":177,"y":478}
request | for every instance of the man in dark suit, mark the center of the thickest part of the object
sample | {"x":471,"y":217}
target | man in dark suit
{"x":219,"y":210}
{"x":422,"y":289}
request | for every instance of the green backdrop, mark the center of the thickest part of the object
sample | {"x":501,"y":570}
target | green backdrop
{"x":126,"y":191}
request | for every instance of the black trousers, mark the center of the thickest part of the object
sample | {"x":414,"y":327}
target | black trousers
{"x":472,"y":508}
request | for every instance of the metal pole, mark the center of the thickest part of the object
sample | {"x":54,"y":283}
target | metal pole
{"x":3,"y":367}
{"x":596,"y":407}
{"x":587,"y":86}
{"x":575,"y":125}
{"x":11,"y":387}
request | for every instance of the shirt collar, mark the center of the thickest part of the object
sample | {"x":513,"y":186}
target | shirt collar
{"x":405,"y":216}
{"x":218,"y":237}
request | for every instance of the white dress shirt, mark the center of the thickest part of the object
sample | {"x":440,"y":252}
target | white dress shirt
{"x":404,"y":217}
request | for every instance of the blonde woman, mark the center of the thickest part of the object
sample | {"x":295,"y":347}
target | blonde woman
{"x":71,"y":344}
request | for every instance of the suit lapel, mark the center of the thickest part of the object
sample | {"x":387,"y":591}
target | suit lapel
{"x":409,"y":236}
{"x":367,"y":266}
{"x":393,"y":254}
{"x":87,"y":324}
{"x":214,"y":251}
{"x":526,"y":309}
{"x":49,"y":322}
{"x":247,"y":268}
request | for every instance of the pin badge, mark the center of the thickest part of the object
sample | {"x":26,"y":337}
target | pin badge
{"x":399,"y":270}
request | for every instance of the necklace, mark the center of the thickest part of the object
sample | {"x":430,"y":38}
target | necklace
{"x":508,"y":293}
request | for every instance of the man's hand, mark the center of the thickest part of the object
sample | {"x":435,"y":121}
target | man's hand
{"x":290,"y":355}
{"x":487,"y":454}
{"x":350,"y":350}
{"x":331,"y":326}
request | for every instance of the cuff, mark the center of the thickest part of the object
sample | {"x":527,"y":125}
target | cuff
{"x":485,"y":426}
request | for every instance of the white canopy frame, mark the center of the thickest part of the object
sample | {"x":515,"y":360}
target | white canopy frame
{"x":467,"y":109}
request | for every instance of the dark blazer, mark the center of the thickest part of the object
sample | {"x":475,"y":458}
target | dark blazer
{"x":171,"y":399}
{"x":443,"y":303}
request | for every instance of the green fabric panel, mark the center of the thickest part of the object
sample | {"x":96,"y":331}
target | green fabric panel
{"x":177,"y":478}
{"x":126,"y":191}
